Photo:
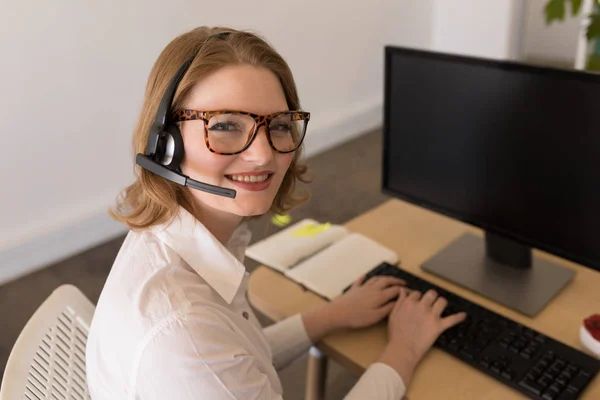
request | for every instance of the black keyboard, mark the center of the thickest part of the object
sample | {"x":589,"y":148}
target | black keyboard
{"x":530,"y":362}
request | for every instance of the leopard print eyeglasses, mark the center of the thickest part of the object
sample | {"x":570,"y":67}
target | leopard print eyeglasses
{"x":229,"y":132}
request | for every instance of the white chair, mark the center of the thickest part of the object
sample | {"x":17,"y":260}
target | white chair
{"x":48,"y":359}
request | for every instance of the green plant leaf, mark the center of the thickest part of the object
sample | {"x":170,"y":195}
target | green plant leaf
{"x":593,"y":63}
{"x":576,"y":6}
{"x":593,"y":30}
{"x":555,"y":10}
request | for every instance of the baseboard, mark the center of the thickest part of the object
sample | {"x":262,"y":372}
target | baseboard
{"x":46,"y":249}
{"x":543,"y":61}
{"x":352,"y":122}
{"x":96,"y":228}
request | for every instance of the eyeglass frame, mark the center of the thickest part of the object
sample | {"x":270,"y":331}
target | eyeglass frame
{"x":192,"y":115}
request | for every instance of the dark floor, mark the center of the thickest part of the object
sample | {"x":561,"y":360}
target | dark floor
{"x":347,"y":183}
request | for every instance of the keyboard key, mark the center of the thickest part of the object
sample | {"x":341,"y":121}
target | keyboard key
{"x":549,"y":375}
{"x":567,"y":375}
{"x":579,"y":381}
{"x":467,"y":352}
{"x":561,"y":380}
{"x":540,"y":338}
{"x":485,"y":361}
{"x":556,"y":388}
{"x":568,"y":395}
{"x":533,"y":347}
{"x":454,"y":345}
{"x":543,"y":363}
{"x":537,"y":370}
{"x":533,"y":375}
{"x":497,"y":366}
{"x":526,"y":354}
{"x":550,"y":394}
{"x":544,"y":381}
{"x":531,"y":386}
{"x":508,"y":373}
{"x":478,"y":347}
{"x":559,"y":363}
{"x":572,"y":368}
{"x":553,"y":371}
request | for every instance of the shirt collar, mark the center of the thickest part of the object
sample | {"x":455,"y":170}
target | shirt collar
{"x":221,"y":267}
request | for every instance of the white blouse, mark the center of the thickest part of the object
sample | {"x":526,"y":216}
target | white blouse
{"x":173,"y":322}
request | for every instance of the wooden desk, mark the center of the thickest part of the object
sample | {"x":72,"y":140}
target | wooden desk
{"x":416,"y":234}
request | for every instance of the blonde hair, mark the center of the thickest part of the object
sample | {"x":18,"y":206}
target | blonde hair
{"x":151,"y":199}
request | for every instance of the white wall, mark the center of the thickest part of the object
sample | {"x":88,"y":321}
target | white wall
{"x":490,"y":29}
{"x":555,"y":43}
{"x":72,"y":77}
{"x":408,"y":22}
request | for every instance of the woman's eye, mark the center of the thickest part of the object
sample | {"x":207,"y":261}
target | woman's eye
{"x":225,"y":127}
{"x":281,"y":128}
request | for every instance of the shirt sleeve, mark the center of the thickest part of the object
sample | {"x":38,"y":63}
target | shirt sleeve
{"x":190,"y":358}
{"x":379,"y":381}
{"x":288,"y":340}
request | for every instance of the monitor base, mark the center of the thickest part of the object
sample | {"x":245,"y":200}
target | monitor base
{"x":526,"y":290}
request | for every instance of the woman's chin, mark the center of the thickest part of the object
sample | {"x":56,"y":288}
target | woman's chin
{"x":253,"y":211}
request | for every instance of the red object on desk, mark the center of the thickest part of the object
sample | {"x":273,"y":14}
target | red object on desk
{"x":592,"y":325}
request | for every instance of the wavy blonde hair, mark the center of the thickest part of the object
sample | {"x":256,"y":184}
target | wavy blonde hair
{"x":151,"y":199}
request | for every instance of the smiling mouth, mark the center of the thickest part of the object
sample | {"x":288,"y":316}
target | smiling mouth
{"x":249,"y":178}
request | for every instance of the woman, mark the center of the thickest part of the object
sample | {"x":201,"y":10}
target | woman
{"x":172,"y":320}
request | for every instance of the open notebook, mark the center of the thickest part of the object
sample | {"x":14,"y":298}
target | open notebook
{"x":324,"y":258}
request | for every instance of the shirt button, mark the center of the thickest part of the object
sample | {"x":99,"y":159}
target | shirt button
{"x":245,"y":314}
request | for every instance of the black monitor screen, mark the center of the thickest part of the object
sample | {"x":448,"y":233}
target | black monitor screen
{"x":510,"y":148}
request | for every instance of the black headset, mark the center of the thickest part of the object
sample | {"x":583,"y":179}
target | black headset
{"x":164,"y":149}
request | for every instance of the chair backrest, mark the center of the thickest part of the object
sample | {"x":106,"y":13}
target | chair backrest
{"x":48,"y":358}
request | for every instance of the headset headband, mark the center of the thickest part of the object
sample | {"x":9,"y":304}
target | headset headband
{"x":162,"y":114}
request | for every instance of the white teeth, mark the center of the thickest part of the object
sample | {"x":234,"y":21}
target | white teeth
{"x":250,"y":178}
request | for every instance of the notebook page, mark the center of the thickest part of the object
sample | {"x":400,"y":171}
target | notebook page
{"x":329,"y":272}
{"x":291,"y":245}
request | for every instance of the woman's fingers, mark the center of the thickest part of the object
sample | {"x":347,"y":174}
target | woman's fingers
{"x":385,"y":310}
{"x":359,"y":281}
{"x":401,"y":298}
{"x":453,"y":319}
{"x":389,"y":281}
{"x":439,"y":306}
{"x":389,"y":293}
{"x":381,"y":282}
{"x":429,"y":297}
{"x":414,"y":295}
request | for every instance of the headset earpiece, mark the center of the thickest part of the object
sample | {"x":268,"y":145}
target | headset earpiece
{"x":172,"y":155}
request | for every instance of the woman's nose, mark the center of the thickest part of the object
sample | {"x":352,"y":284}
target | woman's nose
{"x":260,"y":151}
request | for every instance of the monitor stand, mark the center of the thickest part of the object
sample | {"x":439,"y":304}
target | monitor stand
{"x":502,"y":270}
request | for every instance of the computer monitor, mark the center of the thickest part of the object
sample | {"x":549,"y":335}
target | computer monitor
{"x":510,"y":148}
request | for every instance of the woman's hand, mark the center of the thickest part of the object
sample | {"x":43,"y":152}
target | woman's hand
{"x":366,"y":304}
{"x":361,"y":306}
{"x":414,"y":325}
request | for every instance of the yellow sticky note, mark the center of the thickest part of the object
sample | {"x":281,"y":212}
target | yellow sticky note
{"x":281,"y":220}
{"x":311,"y":229}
